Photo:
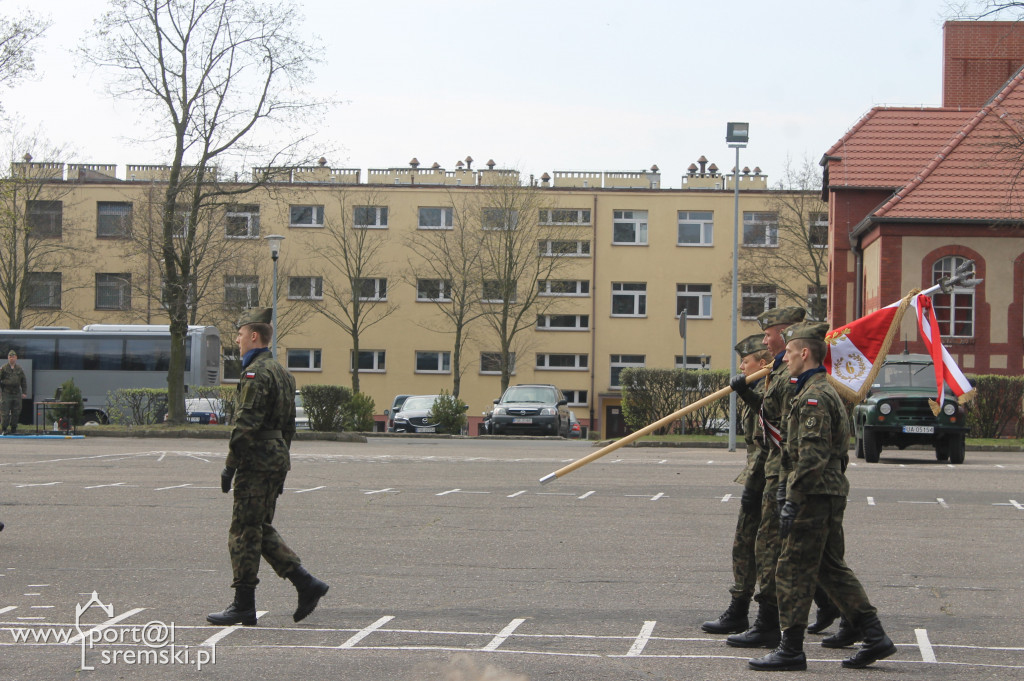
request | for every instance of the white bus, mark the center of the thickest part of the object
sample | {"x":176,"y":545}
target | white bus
{"x":105,"y":357}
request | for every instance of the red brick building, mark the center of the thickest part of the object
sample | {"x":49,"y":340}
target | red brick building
{"x":914,"y":192}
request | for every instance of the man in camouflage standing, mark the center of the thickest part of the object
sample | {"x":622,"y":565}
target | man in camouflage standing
{"x":754,"y":356}
{"x":813,"y":489}
{"x":258,"y":462}
{"x":14,"y":388}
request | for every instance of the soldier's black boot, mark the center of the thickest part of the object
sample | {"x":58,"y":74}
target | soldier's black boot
{"x":788,"y":657}
{"x":876,"y":645}
{"x":846,"y":636}
{"x":826,"y":614}
{"x":765,"y":632}
{"x":310,"y":589}
{"x":732,"y":621}
{"x":241,"y":611}
{"x":1,"y":527}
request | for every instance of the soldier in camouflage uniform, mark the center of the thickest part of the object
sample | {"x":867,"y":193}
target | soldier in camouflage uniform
{"x":754,"y":356}
{"x":811,"y":519}
{"x":14,"y":388}
{"x":258,"y":462}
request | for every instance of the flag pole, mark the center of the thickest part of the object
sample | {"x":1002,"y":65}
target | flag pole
{"x":704,"y":401}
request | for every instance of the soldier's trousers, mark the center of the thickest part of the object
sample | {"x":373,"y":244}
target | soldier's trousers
{"x":766,"y":546}
{"x":744,"y":558}
{"x":251,"y":534}
{"x":814,"y":554}
{"x":10,"y":411}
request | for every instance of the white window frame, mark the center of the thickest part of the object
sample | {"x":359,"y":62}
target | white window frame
{"x":582,"y":286}
{"x":443,"y":287}
{"x":623,"y":361}
{"x":693,"y":362}
{"x":768,"y":221}
{"x":446,"y":215}
{"x":633,"y":292}
{"x":496,"y":283}
{"x":636,"y":220}
{"x":250,"y":212}
{"x":380,"y":217}
{"x":493,"y":220}
{"x":817,"y":221}
{"x":961,"y":298}
{"x":314,"y":288}
{"x":316,"y":215}
{"x":118,"y":220}
{"x":544,"y":322}
{"x":247,"y":283}
{"x":379,"y":363}
{"x":750,"y":292}
{"x":380,"y":289}
{"x":573,"y":217}
{"x":566,"y":248}
{"x":580,"y":361}
{"x":442,"y":361}
{"x":484,"y":355}
{"x":703,"y":220}
{"x":314,"y":359}
{"x":704,"y":299}
{"x":576,"y":398}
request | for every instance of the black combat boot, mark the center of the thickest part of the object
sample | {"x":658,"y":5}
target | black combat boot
{"x":876,"y":644}
{"x":826,"y":614}
{"x":788,"y":657}
{"x":846,"y":636}
{"x":732,"y":621}
{"x":310,"y":589}
{"x":765,"y":632}
{"x":241,"y":611}
{"x":1,"y":527}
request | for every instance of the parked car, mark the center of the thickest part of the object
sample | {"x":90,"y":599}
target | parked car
{"x":389,"y":414}
{"x":531,"y":408}
{"x":574,"y":425}
{"x":896,"y":412}
{"x":301,"y":420}
{"x":203,"y":410}
{"x":414,"y":415}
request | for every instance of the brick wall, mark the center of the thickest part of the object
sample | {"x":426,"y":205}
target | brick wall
{"x":978,"y":58}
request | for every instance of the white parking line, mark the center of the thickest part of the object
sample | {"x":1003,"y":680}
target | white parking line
{"x":941,"y":502}
{"x":927,"y":653}
{"x":516,"y":494}
{"x":161,"y":489}
{"x":377,"y":491}
{"x":100,"y":627}
{"x":363,"y":633}
{"x":503,"y":635}
{"x":113,"y":484}
{"x":8,"y":609}
{"x":726,"y":498}
{"x":871,"y":501}
{"x":37,"y":484}
{"x":226,"y":631}
{"x":641,"y":639}
{"x":587,"y":494}
{"x":311,"y":489}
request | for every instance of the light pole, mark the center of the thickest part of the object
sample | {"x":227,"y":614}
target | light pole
{"x":736,"y":136}
{"x":275,"y":250}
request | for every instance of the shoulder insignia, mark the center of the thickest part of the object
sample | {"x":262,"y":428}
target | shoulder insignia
{"x":792,"y":379}
{"x":250,"y":374}
{"x":812,"y":402}
{"x":809,"y":423}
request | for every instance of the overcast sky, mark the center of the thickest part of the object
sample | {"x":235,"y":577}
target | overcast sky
{"x":554,"y":85}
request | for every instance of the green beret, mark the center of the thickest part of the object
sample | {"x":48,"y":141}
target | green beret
{"x":750,"y":345}
{"x":12,"y":353}
{"x":806,"y":331}
{"x":256,"y":315}
{"x":781,"y":315}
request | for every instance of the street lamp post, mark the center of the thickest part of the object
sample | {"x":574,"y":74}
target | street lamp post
{"x":736,"y":136}
{"x":275,"y":250}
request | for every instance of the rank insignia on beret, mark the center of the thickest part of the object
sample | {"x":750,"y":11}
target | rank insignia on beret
{"x":813,"y":403}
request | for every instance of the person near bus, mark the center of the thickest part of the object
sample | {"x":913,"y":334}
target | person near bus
{"x":13,"y":389}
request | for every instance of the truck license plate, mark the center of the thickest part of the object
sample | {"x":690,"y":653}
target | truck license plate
{"x":925,"y":430}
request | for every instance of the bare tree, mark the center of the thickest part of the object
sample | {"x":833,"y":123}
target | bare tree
{"x":985,"y":9}
{"x":354,"y":286}
{"x":18,"y":37}
{"x":216,"y":74}
{"x":785,"y":248}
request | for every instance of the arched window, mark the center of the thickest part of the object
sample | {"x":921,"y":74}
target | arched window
{"x":955,"y":310}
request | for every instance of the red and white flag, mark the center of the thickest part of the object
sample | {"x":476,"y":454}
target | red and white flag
{"x":946,"y":370}
{"x":856,"y":350}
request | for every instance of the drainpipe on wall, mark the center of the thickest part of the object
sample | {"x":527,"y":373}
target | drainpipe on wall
{"x":858,"y":281}
{"x":593,"y":312}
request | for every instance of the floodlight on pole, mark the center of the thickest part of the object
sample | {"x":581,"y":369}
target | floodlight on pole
{"x":274,"y":241}
{"x":736,"y":136}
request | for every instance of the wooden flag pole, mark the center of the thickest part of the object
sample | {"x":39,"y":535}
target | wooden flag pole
{"x":704,"y":401}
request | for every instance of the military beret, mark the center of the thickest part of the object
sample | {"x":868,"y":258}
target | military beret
{"x":806,"y":331}
{"x":781,"y":315}
{"x":750,"y":345}
{"x":12,"y":353}
{"x":256,"y":315}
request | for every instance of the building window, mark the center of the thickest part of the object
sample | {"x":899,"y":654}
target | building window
{"x":306,"y":288}
{"x":44,"y":218}
{"x":433,"y":362}
{"x":439,"y":217}
{"x":499,"y":219}
{"x":113,"y":219}
{"x":564,"y":248}
{"x":576,"y":398}
{"x":498,"y":291}
{"x":695,"y":299}
{"x":817,"y":302}
{"x":575,"y":217}
{"x":242,"y":291}
{"x":696,"y":228}
{"x":372,"y":289}
{"x":620,"y":362}
{"x":232,"y":364}
{"x":563,"y":287}
{"x":370,"y":217}
{"x":165,"y":298}
{"x":434,"y":290}
{"x":43,"y":290}
{"x":955,"y":310}
{"x":114,"y":291}
{"x":817,"y":230}
{"x":242,"y":221}
{"x":306,"y":216}
{"x":629,"y":227}
{"x":564,"y":362}
{"x":372,"y":361}
{"x":695,"y":362}
{"x":490,"y":362}
{"x":761,"y":229}
{"x":304,"y":360}
{"x":755,"y":299}
{"x":629,"y":300}
{"x":563,"y":322}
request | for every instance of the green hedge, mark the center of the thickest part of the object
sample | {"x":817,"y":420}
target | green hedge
{"x":651,"y":394}
{"x":136,"y":406}
{"x":997,"y":407}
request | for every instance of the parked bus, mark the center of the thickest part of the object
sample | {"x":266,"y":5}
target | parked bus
{"x":105,"y":357}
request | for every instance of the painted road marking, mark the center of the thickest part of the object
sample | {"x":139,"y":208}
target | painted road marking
{"x":37,"y":484}
{"x":8,"y":609}
{"x":941,"y":502}
{"x":871,"y":501}
{"x":726,"y":498}
{"x":516,"y":494}
{"x":113,"y":484}
{"x":363,"y":633}
{"x":503,"y":635}
{"x":100,"y":627}
{"x":161,"y":489}
{"x":587,"y":494}
{"x":311,"y":489}
{"x":377,"y":491}
{"x":927,"y":653}
{"x":226,"y":631}
{"x":641,"y":639}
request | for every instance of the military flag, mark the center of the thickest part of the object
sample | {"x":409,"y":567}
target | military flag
{"x":946,"y":370}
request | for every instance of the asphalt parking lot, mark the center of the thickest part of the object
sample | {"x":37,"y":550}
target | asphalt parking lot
{"x":447,"y":560}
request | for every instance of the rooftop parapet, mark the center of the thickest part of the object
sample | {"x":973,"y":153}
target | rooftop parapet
{"x":306,"y":174}
{"x":38,"y":170}
{"x":573,"y":178}
{"x":92,"y":172}
{"x":160,"y":173}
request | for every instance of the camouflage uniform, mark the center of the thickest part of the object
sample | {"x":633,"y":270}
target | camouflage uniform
{"x":264,"y":428}
{"x":12,"y":386}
